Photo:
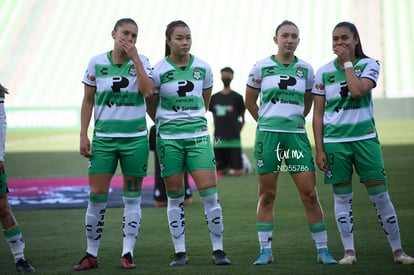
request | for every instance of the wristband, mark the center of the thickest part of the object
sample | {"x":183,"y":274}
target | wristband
{"x":348,"y":65}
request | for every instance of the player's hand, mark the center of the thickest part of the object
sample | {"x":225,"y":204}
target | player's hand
{"x":322,"y":162}
{"x":129,"y":48}
{"x":85,"y":147}
{"x":342,"y":52}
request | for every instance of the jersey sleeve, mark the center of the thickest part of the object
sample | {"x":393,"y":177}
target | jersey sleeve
{"x":156,"y":78}
{"x":318,"y":86}
{"x":146,"y":64}
{"x":372,"y":71}
{"x":89,"y":77}
{"x":255,"y":78}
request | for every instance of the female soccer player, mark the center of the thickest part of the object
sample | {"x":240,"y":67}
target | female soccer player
{"x":284,"y":82}
{"x":116,"y":83}
{"x":183,"y":86}
{"x":345,"y":137}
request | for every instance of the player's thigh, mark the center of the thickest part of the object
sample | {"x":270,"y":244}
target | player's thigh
{"x":104,"y":158}
{"x":297,"y":153}
{"x":369,"y":163}
{"x":340,"y":162}
{"x":171,"y":153}
{"x":133,"y":156}
{"x":266,"y":157}
{"x":200,"y":155}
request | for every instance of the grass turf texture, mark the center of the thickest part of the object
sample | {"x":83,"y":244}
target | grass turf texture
{"x":55,"y":239}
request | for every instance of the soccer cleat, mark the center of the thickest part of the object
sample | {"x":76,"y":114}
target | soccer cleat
{"x":180,"y":259}
{"x":265,"y":257}
{"x":23,"y":266}
{"x":127,"y":262}
{"x":404,"y":259}
{"x":87,"y":262}
{"x":325,"y":257}
{"x":349,"y":258}
{"x":220,"y":258}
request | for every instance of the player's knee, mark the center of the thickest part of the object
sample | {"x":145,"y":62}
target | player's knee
{"x":267,"y":198}
{"x":310,"y":199}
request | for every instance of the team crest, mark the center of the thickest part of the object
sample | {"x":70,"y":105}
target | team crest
{"x":132,"y":70}
{"x":197,"y":74}
{"x":260,"y":163}
{"x":299,"y":72}
{"x":329,"y":174}
{"x":358,"y":71}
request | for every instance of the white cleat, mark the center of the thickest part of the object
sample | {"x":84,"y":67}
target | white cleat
{"x":349,"y":258}
{"x":403,"y":259}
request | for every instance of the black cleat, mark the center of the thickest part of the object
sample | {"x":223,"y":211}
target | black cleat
{"x":180,"y":259}
{"x":23,"y":266}
{"x":220,"y":258}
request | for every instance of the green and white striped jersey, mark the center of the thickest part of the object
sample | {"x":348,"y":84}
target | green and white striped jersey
{"x":119,"y":109}
{"x":181,"y":109}
{"x":346,"y":119}
{"x":282,"y":91}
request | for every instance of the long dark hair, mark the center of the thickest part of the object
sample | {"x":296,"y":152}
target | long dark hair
{"x":168,"y":32}
{"x":353,"y":29}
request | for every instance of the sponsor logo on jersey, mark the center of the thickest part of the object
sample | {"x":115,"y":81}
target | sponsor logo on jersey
{"x":104,"y":71}
{"x":373,"y":73}
{"x":184,"y":87}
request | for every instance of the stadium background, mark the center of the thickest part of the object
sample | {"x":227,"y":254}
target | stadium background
{"x":46,"y":45}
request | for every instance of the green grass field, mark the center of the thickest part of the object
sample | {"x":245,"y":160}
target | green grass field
{"x":55,"y":239}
